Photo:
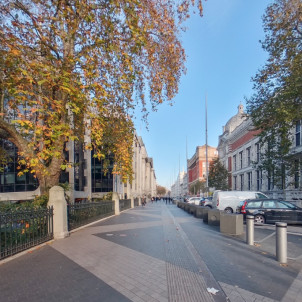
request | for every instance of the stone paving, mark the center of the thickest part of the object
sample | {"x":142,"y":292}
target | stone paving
{"x":142,"y":255}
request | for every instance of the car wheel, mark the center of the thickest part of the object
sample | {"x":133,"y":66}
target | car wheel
{"x":259,"y":219}
{"x":209,"y":206}
{"x":228,"y":210}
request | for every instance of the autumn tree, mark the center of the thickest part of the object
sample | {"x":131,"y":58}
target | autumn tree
{"x":276,"y":105}
{"x":160,"y":190}
{"x":218,"y":175}
{"x":73,"y":67}
{"x":198,"y":187}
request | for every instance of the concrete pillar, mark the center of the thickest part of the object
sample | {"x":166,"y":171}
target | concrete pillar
{"x":116,"y":200}
{"x":132,"y":202}
{"x":60,"y":223}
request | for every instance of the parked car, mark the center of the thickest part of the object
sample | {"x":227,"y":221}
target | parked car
{"x":207,"y":202}
{"x":194,"y":200}
{"x":228,"y":201}
{"x":186,"y":198}
{"x":271,"y":211}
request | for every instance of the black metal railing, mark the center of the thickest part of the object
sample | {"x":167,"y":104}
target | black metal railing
{"x":125,"y":204}
{"x":83,"y":213}
{"x":136,"y":201}
{"x":23,"y":229}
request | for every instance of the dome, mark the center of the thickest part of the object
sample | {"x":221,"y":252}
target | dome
{"x":235,"y":121}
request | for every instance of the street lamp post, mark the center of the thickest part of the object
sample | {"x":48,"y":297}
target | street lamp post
{"x":207,"y":172}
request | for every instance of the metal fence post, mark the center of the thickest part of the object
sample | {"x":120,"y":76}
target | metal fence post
{"x":281,"y":242}
{"x":250,"y":230}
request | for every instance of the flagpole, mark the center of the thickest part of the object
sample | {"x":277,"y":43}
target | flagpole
{"x":207,"y":172}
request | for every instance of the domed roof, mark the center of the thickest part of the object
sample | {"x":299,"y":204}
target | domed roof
{"x":235,"y":121}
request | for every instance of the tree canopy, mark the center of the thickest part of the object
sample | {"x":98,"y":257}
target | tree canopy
{"x":198,"y":187}
{"x":218,"y":175}
{"x":276,"y":105}
{"x":160,"y":190}
{"x":71,"y":68}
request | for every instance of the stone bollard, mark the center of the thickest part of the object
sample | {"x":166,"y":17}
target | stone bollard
{"x":281,"y":242}
{"x":250,"y":229}
{"x":192,"y":209}
{"x":59,"y":204}
{"x":214,"y":217}
{"x":116,"y":200}
{"x":231,"y":224}
{"x":205,"y":214}
{"x":199,"y":212}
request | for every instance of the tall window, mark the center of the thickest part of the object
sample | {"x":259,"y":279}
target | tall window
{"x":283,"y":176}
{"x":257,"y":152}
{"x":248,"y":156}
{"x":241,"y":182}
{"x":240,"y":160}
{"x":234,"y":162}
{"x":298,"y":133}
{"x":270,"y":180}
{"x":249,"y":177}
{"x":259,"y":180}
{"x":79,"y":178}
{"x":9,"y":179}
{"x":101,"y":181}
{"x":235,"y":182}
{"x":297,"y":174}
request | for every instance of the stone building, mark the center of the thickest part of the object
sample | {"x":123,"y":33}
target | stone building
{"x":180,"y":187}
{"x":86,"y":178}
{"x":239,"y":149}
{"x":196,"y":165}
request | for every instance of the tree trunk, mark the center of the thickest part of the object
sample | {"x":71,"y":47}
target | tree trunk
{"x":47,"y":181}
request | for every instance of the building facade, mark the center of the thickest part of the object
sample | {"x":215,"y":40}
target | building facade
{"x":239,"y":149}
{"x":86,"y":176}
{"x":180,"y":187}
{"x":197,"y":169}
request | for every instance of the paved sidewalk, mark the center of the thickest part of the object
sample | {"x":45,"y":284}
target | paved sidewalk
{"x":144,"y":254}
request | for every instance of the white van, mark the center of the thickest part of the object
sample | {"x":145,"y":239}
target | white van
{"x":229,"y":200}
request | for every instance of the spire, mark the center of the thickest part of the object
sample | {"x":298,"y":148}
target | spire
{"x":240,"y":108}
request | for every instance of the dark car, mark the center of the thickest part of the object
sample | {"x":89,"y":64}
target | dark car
{"x":271,"y":211}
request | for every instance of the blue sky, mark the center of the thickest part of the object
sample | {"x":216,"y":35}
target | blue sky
{"x":223,"y":53}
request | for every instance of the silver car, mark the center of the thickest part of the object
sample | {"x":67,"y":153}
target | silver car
{"x":194,"y":200}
